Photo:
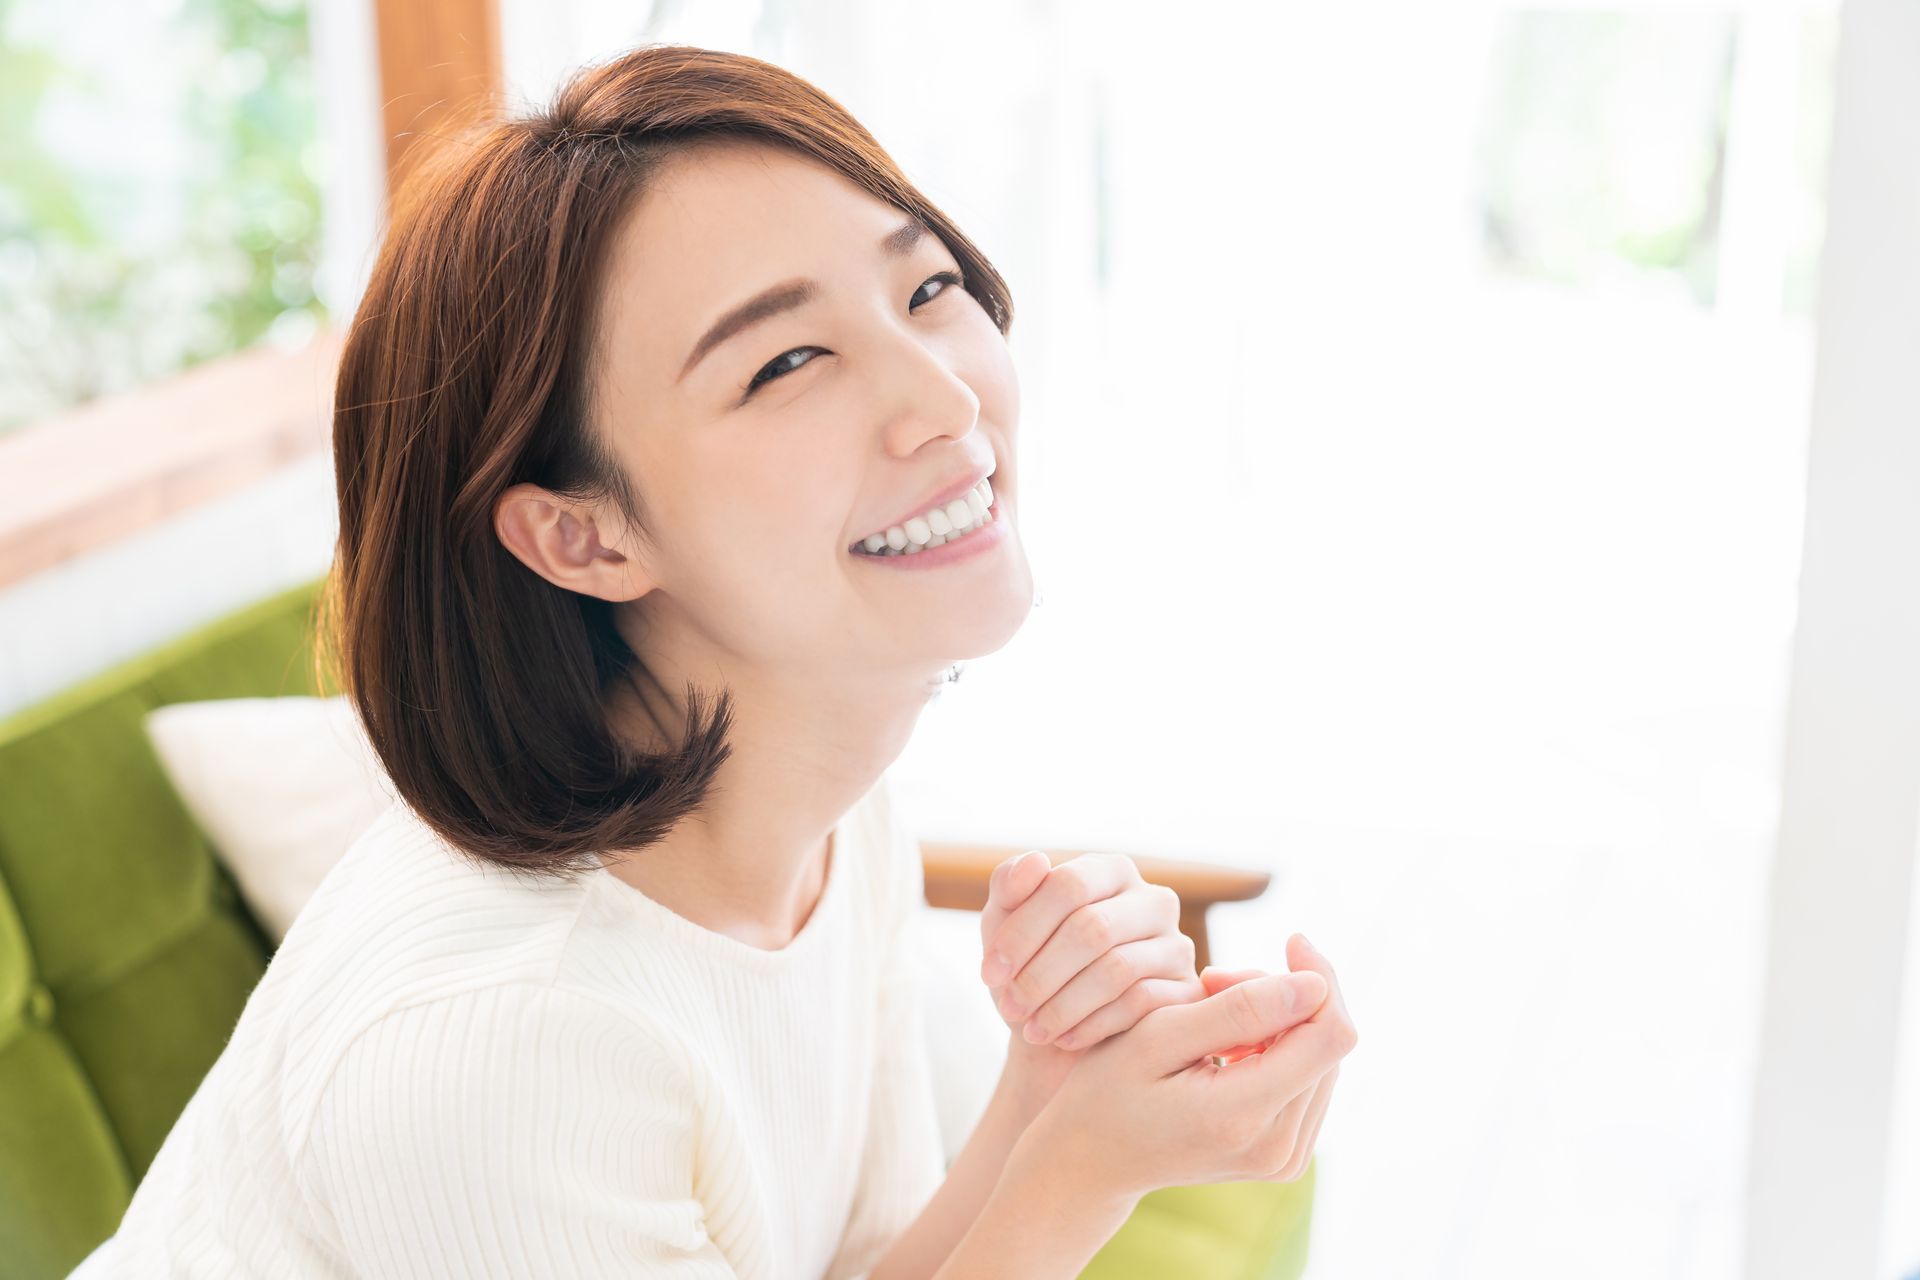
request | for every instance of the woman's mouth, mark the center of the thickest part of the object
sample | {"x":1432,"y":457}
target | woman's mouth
{"x":958,"y":521}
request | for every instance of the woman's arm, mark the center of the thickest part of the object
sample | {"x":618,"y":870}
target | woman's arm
{"x":1042,"y":1212}
{"x":507,"y":1131}
{"x":927,"y":1242}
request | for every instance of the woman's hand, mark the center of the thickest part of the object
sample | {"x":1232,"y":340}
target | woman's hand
{"x":1089,"y":949}
{"x":1150,"y":1108}
{"x":1313,"y":1105}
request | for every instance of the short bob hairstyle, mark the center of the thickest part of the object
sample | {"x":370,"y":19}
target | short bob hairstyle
{"x":467,"y":368}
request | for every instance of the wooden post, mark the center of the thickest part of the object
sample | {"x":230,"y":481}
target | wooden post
{"x":439,"y":69}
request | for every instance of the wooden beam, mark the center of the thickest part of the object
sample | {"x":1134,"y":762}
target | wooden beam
{"x":439,"y":68}
{"x":116,"y":465}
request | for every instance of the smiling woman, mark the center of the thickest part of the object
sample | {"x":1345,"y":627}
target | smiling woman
{"x":630,"y":378}
{"x":616,"y":987}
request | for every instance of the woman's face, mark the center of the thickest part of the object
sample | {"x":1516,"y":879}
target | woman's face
{"x":885,"y":390}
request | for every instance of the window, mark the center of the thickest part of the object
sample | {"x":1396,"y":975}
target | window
{"x":159,"y":193}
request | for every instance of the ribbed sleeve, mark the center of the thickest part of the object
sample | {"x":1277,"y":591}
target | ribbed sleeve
{"x":902,"y":1165}
{"x":512,"y":1131}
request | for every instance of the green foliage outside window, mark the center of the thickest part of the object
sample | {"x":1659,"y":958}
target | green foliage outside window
{"x":159,"y":192}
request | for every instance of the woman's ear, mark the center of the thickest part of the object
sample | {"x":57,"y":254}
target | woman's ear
{"x":564,"y":543}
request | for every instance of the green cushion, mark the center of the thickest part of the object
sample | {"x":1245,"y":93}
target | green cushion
{"x":1224,"y":1231}
{"x":126,"y":956}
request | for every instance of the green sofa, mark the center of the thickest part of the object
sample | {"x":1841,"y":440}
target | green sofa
{"x":126,"y":955}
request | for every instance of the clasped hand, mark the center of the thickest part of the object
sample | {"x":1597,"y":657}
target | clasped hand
{"x":1080,"y":952}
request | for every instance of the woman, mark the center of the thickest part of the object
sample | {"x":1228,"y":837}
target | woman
{"x":674,"y":441}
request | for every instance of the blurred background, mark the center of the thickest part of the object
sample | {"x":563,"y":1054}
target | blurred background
{"x":1468,"y":455}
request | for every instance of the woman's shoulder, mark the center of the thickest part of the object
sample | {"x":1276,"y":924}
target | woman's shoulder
{"x":405,"y":899}
{"x":404,"y":919}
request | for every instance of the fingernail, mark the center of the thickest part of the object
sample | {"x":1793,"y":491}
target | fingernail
{"x":1308,"y":944}
{"x":997,"y":969}
{"x":1036,"y":1034}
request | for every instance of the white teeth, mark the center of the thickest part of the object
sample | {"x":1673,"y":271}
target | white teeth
{"x":935,"y":526}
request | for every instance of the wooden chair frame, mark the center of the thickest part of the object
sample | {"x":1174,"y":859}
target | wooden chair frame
{"x":956,"y":876}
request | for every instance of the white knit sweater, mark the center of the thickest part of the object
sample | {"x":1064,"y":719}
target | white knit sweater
{"x":448,"y":1070}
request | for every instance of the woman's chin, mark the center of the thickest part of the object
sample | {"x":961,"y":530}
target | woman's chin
{"x":991,"y":620}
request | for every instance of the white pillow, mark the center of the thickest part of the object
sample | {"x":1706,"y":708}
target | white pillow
{"x":281,"y":786}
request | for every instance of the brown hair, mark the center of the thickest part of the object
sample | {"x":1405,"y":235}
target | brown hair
{"x":467,"y":369}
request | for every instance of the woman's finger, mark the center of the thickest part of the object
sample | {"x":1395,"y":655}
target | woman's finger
{"x":1302,"y":955}
{"x":1267,"y":1081}
{"x":1125,"y":1013}
{"x":1092,"y":944}
{"x":1115,"y":991}
{"x":1010,"y":885}
{"x":1180,"y":1035}
{"x":1310,"y":1131}
{"x":1283,"y":1138}
{"x":1074,"y":884}
{"x":1215,"y":980}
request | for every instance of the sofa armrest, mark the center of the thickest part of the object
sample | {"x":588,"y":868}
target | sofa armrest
{"x":956,"y":875}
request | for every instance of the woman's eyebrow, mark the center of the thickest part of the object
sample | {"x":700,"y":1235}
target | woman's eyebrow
{"x":787,"y":295}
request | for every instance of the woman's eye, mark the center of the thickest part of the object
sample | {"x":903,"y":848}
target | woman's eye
{"x":776,"y":367}
{"x":952,"y":279}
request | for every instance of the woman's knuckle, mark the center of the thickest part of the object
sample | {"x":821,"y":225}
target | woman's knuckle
{"x":1346,"y":1037}
{"x":1095,"y":923}
{"x":1154,"y":1023}
{"x":1276,"y":1147}
{"x":1244,"y":1014}
{"x":1021,"y":990}
{"x":1080,"y":872}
